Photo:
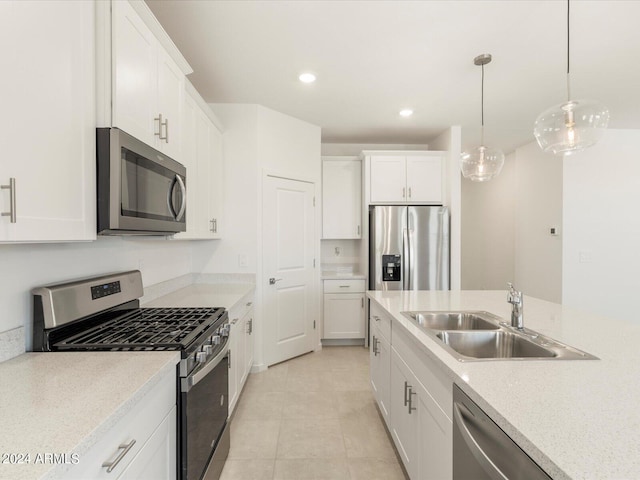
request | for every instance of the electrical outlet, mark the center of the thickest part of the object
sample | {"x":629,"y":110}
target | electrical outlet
{"x":337,"y":251}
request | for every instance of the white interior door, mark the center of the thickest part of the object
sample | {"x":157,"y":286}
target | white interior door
{"x":288,"y":255}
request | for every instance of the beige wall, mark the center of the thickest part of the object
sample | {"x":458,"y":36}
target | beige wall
{"x":506,"y":224}
{"x":488,"y":241}
{"x":538,"y":207}
{"x":601,"y":263}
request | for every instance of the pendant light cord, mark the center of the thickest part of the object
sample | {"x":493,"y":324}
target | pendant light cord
{"x":482,"y":107}
{"x":568,"y":58}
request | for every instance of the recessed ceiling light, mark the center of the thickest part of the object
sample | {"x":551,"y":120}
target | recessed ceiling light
{"x":307,"y":78}
{"x":406,"y":112}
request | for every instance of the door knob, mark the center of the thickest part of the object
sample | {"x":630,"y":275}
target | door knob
{"x":272,"y":281}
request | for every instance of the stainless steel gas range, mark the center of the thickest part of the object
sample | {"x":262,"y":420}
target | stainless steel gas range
{"x":103,"y":313}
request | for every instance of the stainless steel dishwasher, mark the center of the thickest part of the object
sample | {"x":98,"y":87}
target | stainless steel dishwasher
{"x":481,"y":450}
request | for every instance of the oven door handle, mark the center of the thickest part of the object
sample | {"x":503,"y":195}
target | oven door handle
{"x":191,"y":381}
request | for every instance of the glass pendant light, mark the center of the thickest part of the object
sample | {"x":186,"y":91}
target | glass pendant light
{"x":482,"y":163}
{"x":571,"y":126}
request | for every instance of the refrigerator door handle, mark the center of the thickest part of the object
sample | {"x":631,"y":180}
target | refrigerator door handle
{"x":406,"y":270}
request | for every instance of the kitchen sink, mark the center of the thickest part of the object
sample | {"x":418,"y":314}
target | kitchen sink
{"x":455,"y":320}
{"x":498,"y":344}
{"x":480,"y":335}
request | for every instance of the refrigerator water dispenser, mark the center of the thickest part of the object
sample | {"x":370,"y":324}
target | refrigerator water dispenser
{"x":391,"y":268}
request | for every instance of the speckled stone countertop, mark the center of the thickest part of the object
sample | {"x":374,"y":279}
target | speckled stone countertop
{"x":338,"y":275}
{"x":65,"y":402}
{"x":225,"y":295}
{"x":577,"y":419}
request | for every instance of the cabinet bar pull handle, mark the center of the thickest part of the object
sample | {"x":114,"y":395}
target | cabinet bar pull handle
{"x":406,"y":386}
{"x":344,"y":286}
{"x":411,"y":393}
{"x":374,"y":344}
{"x":160,"y":124}
{"x":409,"y":192}
{"x":125,"y":447}
{"x":12,"y":199}
{"x":234,"y":321}
{"x":362,"y":301}
{"x":166,"y":137}
{"x":358,"y":230}
{"x":403,"y":192}
{"x":249,"y":304}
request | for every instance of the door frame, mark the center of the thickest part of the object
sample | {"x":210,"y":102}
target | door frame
{"x":262,"y":350}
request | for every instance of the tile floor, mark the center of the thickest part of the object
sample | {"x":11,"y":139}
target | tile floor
{"x":311,"y":418}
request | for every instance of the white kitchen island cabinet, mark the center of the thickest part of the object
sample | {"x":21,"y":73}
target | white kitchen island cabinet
{"x":148,"y":85}
{"x":413,"y":396}
{"x":380,"y":361}
{"x":405,"y":177}
{"x":47,"y":167}
{"x":341,"y":198}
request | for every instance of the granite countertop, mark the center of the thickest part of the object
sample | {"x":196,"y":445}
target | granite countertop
{"x":225,"y":295}
{"x":64,"y":402}
{"x":576,"y":418}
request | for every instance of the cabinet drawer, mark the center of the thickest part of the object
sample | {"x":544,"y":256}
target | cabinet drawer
{"x":383,"y":323}
{"x":240,"y":309}
{"x":344,"y":286}
{"x":138,"y":424}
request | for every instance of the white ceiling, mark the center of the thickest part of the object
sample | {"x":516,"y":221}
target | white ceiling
{"x":373,"y":58}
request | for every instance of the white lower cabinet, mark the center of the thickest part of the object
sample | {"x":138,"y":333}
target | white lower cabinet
{"x":415,"y":398}
{"x":404,"y":414}
{"x":343,"y":309}
{"x":141,"y":445}
{"x":240,"y":348}
{"x":380,"y":362}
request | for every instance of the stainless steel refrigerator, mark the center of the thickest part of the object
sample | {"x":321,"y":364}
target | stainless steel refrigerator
{"x":409,"y":248}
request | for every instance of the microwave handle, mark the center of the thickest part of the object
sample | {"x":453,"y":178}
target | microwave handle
{"x":184,"y":198}
{"x":177,"y":215}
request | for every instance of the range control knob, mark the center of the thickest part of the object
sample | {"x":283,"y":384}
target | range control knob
{"x":208,"y":349}
{"x":201,"y":357}
{"x":224,"y":330}
{"x":216,"y":339}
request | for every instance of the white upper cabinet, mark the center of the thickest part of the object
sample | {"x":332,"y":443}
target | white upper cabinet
{"x":410,"y":179}
{"x":424,"y":179}
{"x":388,"y":179}
{"x":147,"y":85}
{"x":202,"y":155}
{"x":48,"y":121}
{"x":341,"y":197}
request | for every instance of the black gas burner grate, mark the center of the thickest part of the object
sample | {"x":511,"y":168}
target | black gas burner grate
{"x":145,"y":329}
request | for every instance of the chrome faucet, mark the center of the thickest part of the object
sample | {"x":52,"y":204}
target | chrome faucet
{"x":515,"y":298}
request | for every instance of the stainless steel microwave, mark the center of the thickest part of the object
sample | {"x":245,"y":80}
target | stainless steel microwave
{"x":141,"y":191}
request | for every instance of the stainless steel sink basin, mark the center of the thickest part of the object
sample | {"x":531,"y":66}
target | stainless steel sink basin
{"x":479,"y":335}
{"x":455,"y":320}
{"x":498,"y":344}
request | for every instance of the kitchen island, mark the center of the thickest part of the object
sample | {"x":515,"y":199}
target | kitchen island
{"x":575,"y":418}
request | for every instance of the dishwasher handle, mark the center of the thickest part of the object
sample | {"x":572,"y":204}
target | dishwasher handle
{"x":460,"y":422}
